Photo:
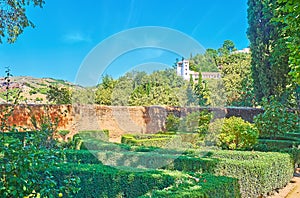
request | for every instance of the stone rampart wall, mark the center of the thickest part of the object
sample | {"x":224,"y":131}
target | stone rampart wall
{"x":118,"y":120}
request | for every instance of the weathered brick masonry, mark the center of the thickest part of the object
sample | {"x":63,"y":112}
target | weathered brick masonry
{"x":118,"y":120}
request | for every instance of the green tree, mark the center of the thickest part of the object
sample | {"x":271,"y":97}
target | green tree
{"x":287,"y":13}
{"x":13,"y":19}
{"x":204,"y":62}
{"x":237,"y":79}
{"x":201,"y":91}
{"x":237,"y":134}
{"x":124,"y":87}
{"x":83,"y":96}
{"x":217,"y":93}
{"x":276,"y":119}
{"x":103,"y":94}
{"x":227,"y":47}
{"x":59,"y":95}
{"x":160,"y":88}
{"x":26,"y":162}
{"x":269,"y":51}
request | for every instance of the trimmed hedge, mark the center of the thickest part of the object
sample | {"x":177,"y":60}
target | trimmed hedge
{"x":269,"y":171}
{"x":81,"y":157}
{"x":18,"y":135}
{"x":279,"y":144}
{"x":94,"y":134}
{"x":201,"y":186}
{"x":103,"y":181}
{"x":258,"y":173}
{"x":295,"y":135}
{"x":170,"y":140}
{"x":95,"y":145}
{"x":157,"y":140}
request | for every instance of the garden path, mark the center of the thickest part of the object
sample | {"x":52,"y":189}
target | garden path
{"x":292,"y":190}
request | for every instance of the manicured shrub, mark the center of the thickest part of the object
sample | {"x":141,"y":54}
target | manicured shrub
{"x":25,"y":168}
{"x":196,"y":122}
{"x":200,"y":186}
{"x":81,"y":157}
{"x":179,"y":140}
{"x":294,"y":153}
{"x":18,"y":135}
{"x":104,"y":181}
{"x":63,"y":132}
{"x":258,"y":173}
{"x":237,"y":134}
{"x":295,"y":135}
{"x":279,"y":144}
{"x":172,"y":122}
{"x":276,"y":120}
{"x":212,"y":136}
{"x":156,"y":140}
{"x":94,"y":134}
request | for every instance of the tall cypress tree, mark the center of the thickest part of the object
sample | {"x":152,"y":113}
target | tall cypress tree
{"x":269,"y":52}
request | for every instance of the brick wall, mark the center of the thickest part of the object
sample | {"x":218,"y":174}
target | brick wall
{"x":118,"y":120}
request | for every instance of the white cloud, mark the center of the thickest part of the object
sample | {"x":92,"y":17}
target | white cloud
{"x":76,"y":38}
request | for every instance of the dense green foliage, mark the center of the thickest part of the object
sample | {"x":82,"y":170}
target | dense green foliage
{"x":94,"y":134}
{"x":104,"y":91}
{"x":287,"y":13}
{"x":195,"y":122}
{"x":25,"y":159}
{"x":274,"y":45}
{"x":276,"y":119}
{"x":258,"y":173}
{"x":181,"y":140}
{"x":13,"y":18}
{"x":235,"y":88}
{"x":25,"y":164}
{"x":105,"y":181}
{"x":237,"y":134}
{"x":59,"y":95}
{"x":204,"y":62}
{"x":237,"y":79}
{"x":156,"y":140}
{"x":139,"y":88}
{"x":276,"y":145}
{"x":110,"y":182}
{"x":200,"y":186}
{"x":159,"y":88}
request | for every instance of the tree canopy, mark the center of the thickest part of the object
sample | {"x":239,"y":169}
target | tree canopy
{"x":274,"y":36}
{"x":288,"y":13}
{"x":13,"y":18}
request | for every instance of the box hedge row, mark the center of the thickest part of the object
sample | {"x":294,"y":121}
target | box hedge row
{"x":156,"y":140}
{"x":18,"y":135}
{"x":203,"y":186}
{"x":258,"y":173}
{"x":279,"y":144}
{"x":103,"y":181}
{"x":93,"y":134}
{"x":161,"y":140}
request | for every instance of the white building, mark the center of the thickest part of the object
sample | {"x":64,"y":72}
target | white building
{"x":183,"y":69}
{"x":245,"y":50}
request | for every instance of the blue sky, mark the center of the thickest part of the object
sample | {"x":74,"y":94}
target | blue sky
{"x":67,"y":30}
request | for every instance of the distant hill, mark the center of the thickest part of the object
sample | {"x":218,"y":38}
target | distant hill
{"x":33,"y":90}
